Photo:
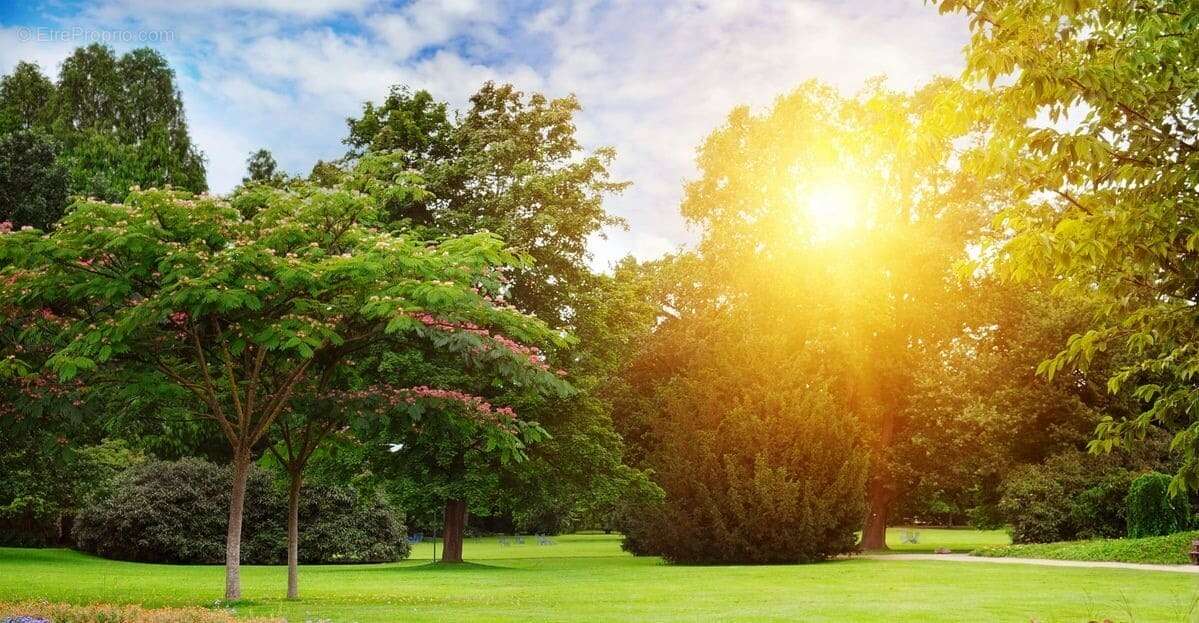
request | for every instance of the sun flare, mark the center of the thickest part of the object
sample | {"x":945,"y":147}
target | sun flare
{"x":830,"y":210}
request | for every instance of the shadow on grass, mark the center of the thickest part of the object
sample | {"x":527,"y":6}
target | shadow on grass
{"x":446,"y":567}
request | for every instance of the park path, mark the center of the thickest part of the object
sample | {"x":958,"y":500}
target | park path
{"x":1087,"y":564}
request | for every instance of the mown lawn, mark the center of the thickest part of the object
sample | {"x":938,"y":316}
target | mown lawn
{"x":588,"y":578}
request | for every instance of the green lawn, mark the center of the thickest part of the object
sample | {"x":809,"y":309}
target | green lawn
{"x":588,"y":578}
{"x":958,"y":540}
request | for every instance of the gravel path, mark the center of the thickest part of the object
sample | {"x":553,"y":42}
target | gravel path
{"x":1088,"y":564}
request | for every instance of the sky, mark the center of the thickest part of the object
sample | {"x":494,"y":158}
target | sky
{"x":654,"y":77}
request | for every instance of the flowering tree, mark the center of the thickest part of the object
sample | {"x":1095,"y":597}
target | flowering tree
{"x":241,"y":309}
{"x":398,"y":415}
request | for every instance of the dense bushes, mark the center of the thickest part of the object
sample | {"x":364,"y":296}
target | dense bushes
{"x":178,"y":512}
{"x":1152,"y":511}
{"x":771,"y":477}
{"x":1069,"y":496}
{"x":40,"y":491}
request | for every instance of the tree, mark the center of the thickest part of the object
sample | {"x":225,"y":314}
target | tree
{"x":1102,"y":198}
{"x":511,"y":163}
{"x":417,"y":415}
{"x":261,"y":168}
{"x":841,"y":220}
{"x":757,"y":466}
{"x":119,"y":121}
{"x":172,"y":292}
{"x":33,"y":185}
{"x":978,"y":409}
{"x":25,"y":99}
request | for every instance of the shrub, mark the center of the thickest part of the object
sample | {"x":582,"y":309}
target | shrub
{"x":45,"y":612}
{"x":338,"y":524}
{"x":178,"y":512}
{"x":1152,"y":511}
{"x":1070,"y":496}
{"x":777,"y":477}
{"x":41,"y":491}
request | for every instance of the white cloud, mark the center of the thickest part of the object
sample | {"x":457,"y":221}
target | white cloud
{"x":654,"y":78}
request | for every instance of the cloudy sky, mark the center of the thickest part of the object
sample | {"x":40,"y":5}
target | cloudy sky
{"x":654,"y":77}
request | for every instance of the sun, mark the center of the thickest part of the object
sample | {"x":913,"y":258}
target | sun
{"x":830,"y":210}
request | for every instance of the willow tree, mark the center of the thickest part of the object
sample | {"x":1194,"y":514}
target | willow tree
{"x":836,"y":222}
{"x":240,"y":308}
{"x":1095,"y":129}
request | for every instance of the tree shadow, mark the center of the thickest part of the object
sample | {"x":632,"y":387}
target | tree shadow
{"x":455,"y":567}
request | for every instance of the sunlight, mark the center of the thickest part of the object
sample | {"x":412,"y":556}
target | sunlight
{"x":830,"y":210}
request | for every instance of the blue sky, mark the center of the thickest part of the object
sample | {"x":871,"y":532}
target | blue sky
{"x":654,"y":77}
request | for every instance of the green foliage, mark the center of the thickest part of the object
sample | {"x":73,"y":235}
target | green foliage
{"x":1152,"y":510}
{"x":510,"y":164}
{"x":1159,"y":550}
{"x":757,"y":467}
{"x":1092,"y":130}
{"x":25,"y":99}
{"x":119,"y":121}
{"x":177,"y":512}
{"x":41,"y":491}
{"x":978,"y":410}
{"x":261,"y":168}
{"x":33,"y":184}
{"x":1069,"y":496}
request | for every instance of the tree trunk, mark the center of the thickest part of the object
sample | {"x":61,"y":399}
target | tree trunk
{"x":293,"y":535}
{"x":237,"y":503}
{"x":874,"y":533}
{"x":455,"y":525}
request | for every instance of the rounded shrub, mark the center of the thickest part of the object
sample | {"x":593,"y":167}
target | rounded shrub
{"x":777,"y":477}
{"x":178,"y":512}
{"x":1070,"y":496}
{"x":1151,"y":510}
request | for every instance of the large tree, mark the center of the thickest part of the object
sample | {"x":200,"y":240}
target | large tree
{"x":178,"y":293}
{"x":512,"y":163}
{"x":841,"y":219}
{"x":119,"y":120}
{"x":1095,"y":131}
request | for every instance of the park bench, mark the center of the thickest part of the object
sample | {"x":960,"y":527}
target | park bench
{"x":544,"y":540}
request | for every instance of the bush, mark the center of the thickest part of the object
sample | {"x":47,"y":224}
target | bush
{"x":1159,"y":550}
{"x":178,"y":512}
{"x":40,"y":492}
{"x":777,"y":478}
{"x":1070,"y":496}
{"x":46,"y":612}
{"x":1152,"y":511}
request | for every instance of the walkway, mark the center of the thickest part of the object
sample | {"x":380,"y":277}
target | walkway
{"x":1089,"y":564}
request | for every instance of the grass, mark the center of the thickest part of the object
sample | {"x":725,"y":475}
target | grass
{"x":957,"y":540}
{"x":588,"y":578}
{"x":1162,"y":550}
